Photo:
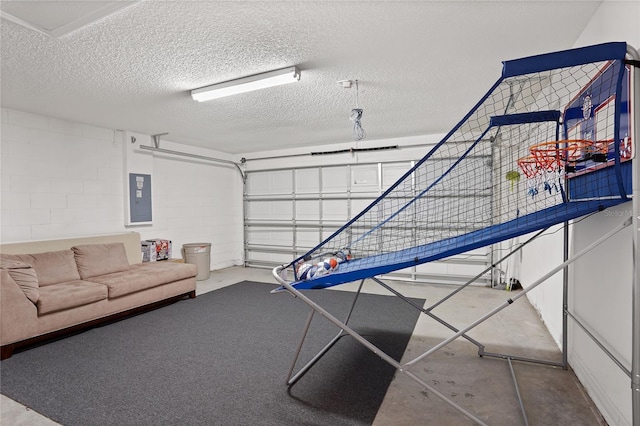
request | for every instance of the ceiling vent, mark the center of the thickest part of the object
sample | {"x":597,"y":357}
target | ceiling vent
{"x":58,"y":18}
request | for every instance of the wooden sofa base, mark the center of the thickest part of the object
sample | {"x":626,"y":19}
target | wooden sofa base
{"x":7,"y":350}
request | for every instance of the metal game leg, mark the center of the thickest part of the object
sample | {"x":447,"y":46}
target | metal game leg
{"x":292,"y":380}
{"x":405,"y":368}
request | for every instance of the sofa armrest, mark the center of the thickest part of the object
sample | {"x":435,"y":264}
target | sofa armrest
{"x":18,"y":315}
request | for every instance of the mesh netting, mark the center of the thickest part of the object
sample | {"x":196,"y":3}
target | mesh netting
{"x":536,"y":143}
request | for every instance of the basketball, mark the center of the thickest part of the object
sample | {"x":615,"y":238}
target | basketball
{"x":309,"y":273}
{"x":333,"y":263}
{"x":322,"y":268}
{"x":303,"y":271}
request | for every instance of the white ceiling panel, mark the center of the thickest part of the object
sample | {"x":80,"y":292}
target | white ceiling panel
{"x":420,"y":65}
{"x":58,"y":18}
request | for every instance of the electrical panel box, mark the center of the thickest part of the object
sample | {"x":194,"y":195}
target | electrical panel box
{"x":140,"y":211}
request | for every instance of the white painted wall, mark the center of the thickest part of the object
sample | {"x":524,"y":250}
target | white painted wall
{"x":600,"y":283}
{"x":538,"y":258}
{"x":64,"y":179}
{"x":199,"y":201}
{"x":600,"y":297}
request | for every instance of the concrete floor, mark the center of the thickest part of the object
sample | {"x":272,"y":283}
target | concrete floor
{"x":482,"y":385}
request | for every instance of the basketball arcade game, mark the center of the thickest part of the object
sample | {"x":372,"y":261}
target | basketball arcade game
{"x":564,"y":120}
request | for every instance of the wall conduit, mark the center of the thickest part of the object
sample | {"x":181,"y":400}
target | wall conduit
{"x":199,"y":157}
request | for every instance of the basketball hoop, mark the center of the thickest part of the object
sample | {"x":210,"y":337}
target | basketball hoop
{"x":552,"y":156}
{"x":529,"y":166}
{"x":531,"y":169}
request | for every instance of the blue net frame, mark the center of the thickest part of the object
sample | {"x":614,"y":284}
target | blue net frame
{"x":568,"y":111}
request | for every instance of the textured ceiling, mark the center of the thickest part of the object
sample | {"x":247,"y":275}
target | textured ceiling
{"x":420,"y":66}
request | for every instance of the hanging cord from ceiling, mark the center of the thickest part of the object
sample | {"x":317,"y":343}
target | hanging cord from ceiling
{"x":355,"y":117}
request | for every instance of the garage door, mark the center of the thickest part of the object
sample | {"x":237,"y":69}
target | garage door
{"x":290,"y":211}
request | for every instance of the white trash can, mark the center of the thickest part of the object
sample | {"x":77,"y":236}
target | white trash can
{"x":198,"y":254}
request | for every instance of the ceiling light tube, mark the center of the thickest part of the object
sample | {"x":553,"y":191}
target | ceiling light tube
{"x":246,"y":84}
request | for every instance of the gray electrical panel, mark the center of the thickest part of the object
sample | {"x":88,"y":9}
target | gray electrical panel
{"x":140,"y":198}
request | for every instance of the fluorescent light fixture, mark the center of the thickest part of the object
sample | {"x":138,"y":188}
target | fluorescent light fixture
{"x":246,"y":84}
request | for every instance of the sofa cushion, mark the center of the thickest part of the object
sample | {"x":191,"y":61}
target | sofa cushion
{"x":145,"y":275}
{"x":100,"y":259}
{"x":51,"y":267}
{"x":68,"y":295}
{"x":24,"y":275}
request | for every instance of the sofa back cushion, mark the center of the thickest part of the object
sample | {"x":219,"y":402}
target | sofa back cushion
{"x":51,"y":267}
{"x":100,"y":259}
{"x":23,"y":275}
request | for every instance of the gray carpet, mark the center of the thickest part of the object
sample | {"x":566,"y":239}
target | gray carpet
{"x":218,"y":359}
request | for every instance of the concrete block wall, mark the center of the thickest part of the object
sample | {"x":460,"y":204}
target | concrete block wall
{"x":198,"y":201}
{"x":59,"y":179}
{"x":64,"y":179}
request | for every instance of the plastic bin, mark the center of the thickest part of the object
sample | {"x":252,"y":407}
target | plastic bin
{"x":198,"y":254}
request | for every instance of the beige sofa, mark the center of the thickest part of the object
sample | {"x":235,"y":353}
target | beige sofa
{"x":52,"y":287}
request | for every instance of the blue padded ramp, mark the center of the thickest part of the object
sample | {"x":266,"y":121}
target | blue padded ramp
{"x":353,"y":270}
